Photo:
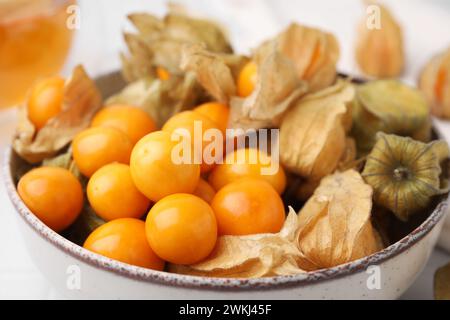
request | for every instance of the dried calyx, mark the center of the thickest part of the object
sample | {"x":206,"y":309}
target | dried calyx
{"x":313,"y":134}
{"x":405,"y":173}
{"x":392,"y":107}
{"x":379,"y":47}
{"x":335,"y":223}
{"x":163,"y":72}
{"x":277,"y":85}
{"x":435,"y":84}
{"x":216,"y":72}
{"x":314,"y":53}
{"x":277,"y":88}
{"x":157,"y":46}
{"x":81,"y":101}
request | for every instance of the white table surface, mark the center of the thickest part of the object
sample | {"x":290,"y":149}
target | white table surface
{"x":99,"y":40}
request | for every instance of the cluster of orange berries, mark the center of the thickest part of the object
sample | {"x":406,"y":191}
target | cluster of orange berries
{"x":131,"y":173}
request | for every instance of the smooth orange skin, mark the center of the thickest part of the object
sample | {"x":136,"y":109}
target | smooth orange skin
{"x":186,"y":120}
{"x":153,"y":171}
{"x":113,"y":195}
{"x":95,"y":147}
{"x":53,"y":194}
{"x":162,"y":73}
{"x":181,"y":229}
{"x":248,"y":206}
{"x":226,"y":173}
{"x":133,"y":121}
{"x":124,"y":240}
{"x":217,"y":112}
{"x":204,"y":191}
{"x":247,"y":79}
{"x":45,"y":101}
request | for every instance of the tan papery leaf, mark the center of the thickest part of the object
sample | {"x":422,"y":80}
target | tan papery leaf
{"x":81,"y":101}
{"x":215,"y":71}
{"x":277,"y":88}
{"x":159,"y":42}
{"x":379,"y":46}
{"x":313,"y":52}
{"x":335,"y":223}
{"x":313,"y":132}
{"x":435,"y":83}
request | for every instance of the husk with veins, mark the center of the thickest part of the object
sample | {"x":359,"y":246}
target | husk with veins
{"x":252,"y":256}
{"x":314,"y":53}
{"x":161,"y":99}
{"x":379,"y":50}
{"x":435,"y":84}
{"x":277,"y":88}
{"x":81,"y":101}
{"x":216,"y":72}
{"x":313,"y":133}
{"x":348,"y":161}
{"x":405,"y":173}
{"x":391,"y":107}
{"x":159,"y":42}
{"x":334,"y":226}
{"x":277,"y":85}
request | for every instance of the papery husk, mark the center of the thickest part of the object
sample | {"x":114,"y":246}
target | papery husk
{"x":442,"y":283}
{"x":161,"y":99}
{"x":347,"y":161}
{"x":435,"y":83}
{"x":379,"y":52}
{"x":313,"y":52}
{"x":405,"y":173}
{"x":313,"y":132}
{"x":251,"y":256}
{"x":277,"y":88}
{"x":335,"y":223}
{"x":159,"y":42}
{"x":349,"y":156}
{"x":216,"y":72}
{"x":81,"y":101}
{"x":391,"y":107}
{"x":424,"y":132}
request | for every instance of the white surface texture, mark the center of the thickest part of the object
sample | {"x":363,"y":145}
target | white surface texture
{"x":99,"y":40}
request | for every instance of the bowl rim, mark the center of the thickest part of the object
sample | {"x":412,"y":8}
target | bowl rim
{"x":209,"y":283}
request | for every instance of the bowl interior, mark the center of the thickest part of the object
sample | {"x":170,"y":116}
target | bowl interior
{"x":409,"y":233}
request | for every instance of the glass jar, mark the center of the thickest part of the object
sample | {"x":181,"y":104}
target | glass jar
{"x":35,"y":39}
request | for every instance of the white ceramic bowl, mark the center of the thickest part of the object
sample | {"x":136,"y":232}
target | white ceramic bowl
{"x":78,"y":273}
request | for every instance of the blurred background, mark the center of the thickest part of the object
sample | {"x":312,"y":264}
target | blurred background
{"x":34,"y":43}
